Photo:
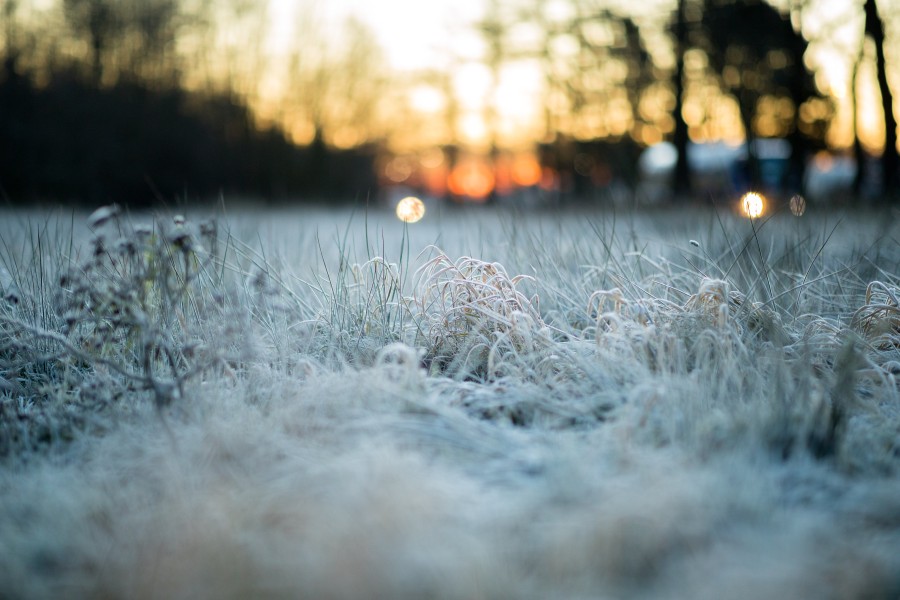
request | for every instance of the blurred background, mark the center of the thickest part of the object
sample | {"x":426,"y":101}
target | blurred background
{"x":455,"y":101}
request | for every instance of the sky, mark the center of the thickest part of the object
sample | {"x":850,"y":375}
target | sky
{"x":417,"y":35}
{"x":413,"y":33}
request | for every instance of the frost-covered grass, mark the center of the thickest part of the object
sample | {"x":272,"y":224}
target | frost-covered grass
{"x":305,"y":405}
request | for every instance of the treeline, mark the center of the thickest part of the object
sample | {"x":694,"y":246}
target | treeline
{"x":739,"y":66}
{"x":95,"y":103}
{"x":72,"y":141}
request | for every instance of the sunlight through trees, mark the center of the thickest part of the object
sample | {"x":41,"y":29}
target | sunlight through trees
{"x":581,"y":86}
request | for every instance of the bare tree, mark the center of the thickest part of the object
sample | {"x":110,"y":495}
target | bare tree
{"x":858,"y":153}
{"x":493,"y":28}
{"x":96,"y":22}
{"x":131,"y":39}
{"x":682,"y":180}
{"x":758,"y":56}
{"x":152,"y":37}
{"x":10,"y":45}
{"x":874,"y":29}
{"x":337,"y":82}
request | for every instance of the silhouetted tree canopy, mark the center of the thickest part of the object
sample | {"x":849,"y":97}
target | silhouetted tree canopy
{"x":758,"y":57}
{"x":131,"y":144}
{"x":141,"y":100}
{"x":114,"y":123}
{"x":682,"y":178}
{"x":890,"y":161}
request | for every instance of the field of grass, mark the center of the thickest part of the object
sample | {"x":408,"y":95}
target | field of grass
{"x":304,"y":404}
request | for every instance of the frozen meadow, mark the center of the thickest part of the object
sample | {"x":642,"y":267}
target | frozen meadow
{"x":310,"y":404}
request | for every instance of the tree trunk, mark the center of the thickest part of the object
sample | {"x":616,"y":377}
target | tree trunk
{"x":682,"y":181}
{"x":800,"y":145}
{"x":859,"y":154}
{"x":747,"y":108}
{"x":889,"y":160}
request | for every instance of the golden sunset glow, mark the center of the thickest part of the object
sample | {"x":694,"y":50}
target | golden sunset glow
{"x":415,"y":36}
{"x":521,"y":102}
{"x":752,"y":205}
{"x":413,"y":74}
{"x":526,"y":170}
{"x":511,"y":106}
{"x":410,"y":210}
{"x":472,"y":178}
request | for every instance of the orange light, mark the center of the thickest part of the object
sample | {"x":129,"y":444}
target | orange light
{"x":549,"y":179}
{"x":435,"y":180}
{"x":824,"y":161}
{"x":526,"y":170}
{"x":410,"y":209}
{"x":752,"y":205}
{"x":503,"y":181}
{"x":472,"y":178}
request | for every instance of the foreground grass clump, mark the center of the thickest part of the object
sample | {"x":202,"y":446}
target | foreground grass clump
{"x":576,"y":409}
{"x":126,"y":317}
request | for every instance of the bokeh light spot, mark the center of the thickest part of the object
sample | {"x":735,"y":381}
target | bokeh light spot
{"x":798,"y":205}
{"x":473,"y":179}
{"x":526,"y":171}
{"x":752,"y":205}
{"x":398,"y":170}
{"x":432,"y":158}
{"x":410,"y":209}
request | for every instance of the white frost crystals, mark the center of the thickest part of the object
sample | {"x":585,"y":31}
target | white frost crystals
{"x":400,"y":364}
{"x":102,"y":215}
{"x":879,"y":318}
{"x":713,"y":423}
{"x":468,"y":305}
{"x":715,"y":303}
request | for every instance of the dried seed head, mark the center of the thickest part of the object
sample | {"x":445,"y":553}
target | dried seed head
{"x":103,"y":215}
{"x":125,"y":246}
{"x":180,"y":238}
{"x":208,"y":228}
{"x":99,"y":246}
{"x":398,"y":353}
{"x":71,"y":317}
{"x":400,"y":363}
